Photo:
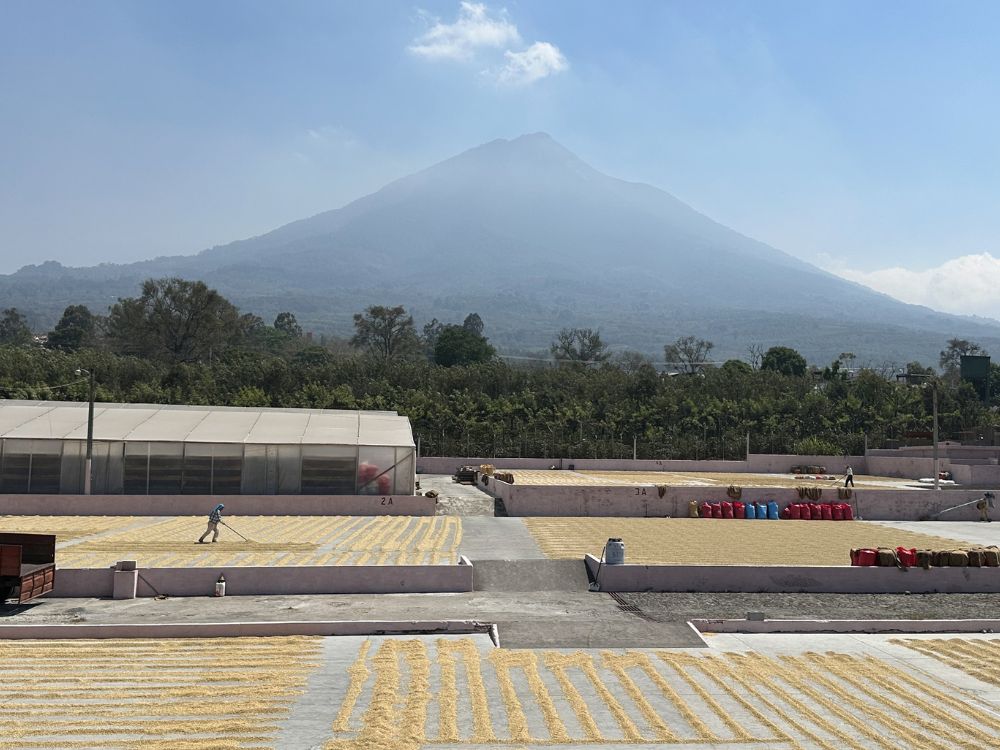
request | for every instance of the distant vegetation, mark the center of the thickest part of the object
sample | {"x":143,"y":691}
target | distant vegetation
{"x":182,"y":342}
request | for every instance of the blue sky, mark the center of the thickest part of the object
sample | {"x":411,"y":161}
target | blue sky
{"x":860,"y":136}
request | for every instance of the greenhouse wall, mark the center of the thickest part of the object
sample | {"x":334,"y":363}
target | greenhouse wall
{"x":176,"y":468}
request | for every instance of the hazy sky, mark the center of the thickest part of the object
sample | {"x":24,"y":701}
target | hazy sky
{"x":860,"y":136}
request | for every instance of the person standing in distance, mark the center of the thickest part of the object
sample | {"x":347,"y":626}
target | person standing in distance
{"x":214,"y":519}
{"x":849,"y":478}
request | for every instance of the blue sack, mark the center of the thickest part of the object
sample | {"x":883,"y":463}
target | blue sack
{"x":772,"y":510}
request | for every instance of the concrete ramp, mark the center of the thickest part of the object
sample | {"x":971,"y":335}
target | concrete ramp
{"x":622,"y":631}
{"x":530,"y":575}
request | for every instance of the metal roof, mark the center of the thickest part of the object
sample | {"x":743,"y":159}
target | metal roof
{"x":67,"y":420}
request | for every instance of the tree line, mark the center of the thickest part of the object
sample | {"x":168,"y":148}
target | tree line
{"x":182,"y":342}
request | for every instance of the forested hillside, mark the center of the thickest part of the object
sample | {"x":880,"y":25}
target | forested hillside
{"x":180,"y":342}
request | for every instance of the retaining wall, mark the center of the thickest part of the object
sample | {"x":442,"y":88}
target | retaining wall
{"x":646,"y":501}
{"x":846,"y":626}
{"x":912,"y":467}
{"x":437,"y":465}
{"x":240,"y":629}
{"x":794,"y":579}
{"x":758,"y":462}
{"x":199,"y":505}
{"x":777,"y":463}
{"x":267,"y":581}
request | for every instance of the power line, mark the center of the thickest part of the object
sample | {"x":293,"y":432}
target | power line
{"x":51,"y":387}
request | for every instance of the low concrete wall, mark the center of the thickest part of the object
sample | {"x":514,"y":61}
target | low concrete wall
{"x":911,"y":467}
{"x":794,"y":579}
{"x":982,"y":475}
{"x":243,"y":629}
{"x":776,"y":463}
{"x":846,"y":626}
{"x":264,"y":581}
{"x":199,"y":505}
{"x":643,"y":501}
{"x":437,"y":465}
{"x":758,"y":462}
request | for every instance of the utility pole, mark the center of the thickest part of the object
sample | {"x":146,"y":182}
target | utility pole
{"x":88,"y":462}
{"x":634,"y":448}
{"x":937,"y":466}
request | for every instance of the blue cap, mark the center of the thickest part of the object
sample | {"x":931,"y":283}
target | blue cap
{"x":220,"y":506}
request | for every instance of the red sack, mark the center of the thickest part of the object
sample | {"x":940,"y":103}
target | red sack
{"x":738,"y":509}
{"x":716,"y":510}
{"x":727,"y":509}
{"x":795,"y":511}
{"x":804,"y":512}
{"x":848,"y":512}
{"x":867,"y":557}
{"x":826,"y":511}
{"x":786,"y":512}
{"x":838,"y":511}
{"x":706,"y":510}
{"x":907,"y":557}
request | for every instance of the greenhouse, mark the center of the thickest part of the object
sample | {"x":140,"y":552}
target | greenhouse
{"x":148,"y":449}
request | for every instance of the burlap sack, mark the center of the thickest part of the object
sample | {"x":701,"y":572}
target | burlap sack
{"x":886,"y":557}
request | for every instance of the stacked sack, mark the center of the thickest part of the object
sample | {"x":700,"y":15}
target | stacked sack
{"x":818,"y":512}
{"x":903,"y":557}
{"x":734,"y":509}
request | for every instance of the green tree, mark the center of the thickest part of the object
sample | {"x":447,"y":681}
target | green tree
{"x":736,"y":367}
{"x":785,"y":360}
{"x":14,"y":329}
{"x":74,"y":330}
{"x":688,"y":353}
{"x":430,"y":334}
{"x":251,"y":395}
{"x":915,"y":368}
{"x":288,"y":325}
{"x":458,"y":345}
{"x":473,"y":323}
{"x":951,"y":356}
{"x":175,"y":321}
{"x":385,"y":333}
{"x":579,"y":345}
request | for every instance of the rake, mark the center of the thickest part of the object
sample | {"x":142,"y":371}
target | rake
{"x":988,"y":497}
{"x":236,"y":532}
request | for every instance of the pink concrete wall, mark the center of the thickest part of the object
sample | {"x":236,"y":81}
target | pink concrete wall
{"x":983,"y":476}
{"x":197,"y":505}
{"x":845,"y":626}
{"x":759,"y":462}
{"x":645,"y":501}
{"x":437,"y":465}
{"x":264,"y":581}
{"x":910,"y":467}
{"x":240,"y":629}
{"x":781,"y":464}
{"x":794,"y":579}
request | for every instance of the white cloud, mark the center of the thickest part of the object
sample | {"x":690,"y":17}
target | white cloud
{"x":477,"y":36}
{"x":966,"y":285}
{"x":475,"y":28}
{"x":541,"y":59}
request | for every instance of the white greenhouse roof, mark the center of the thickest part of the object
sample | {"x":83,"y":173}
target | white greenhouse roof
{"x":66,"y":420}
